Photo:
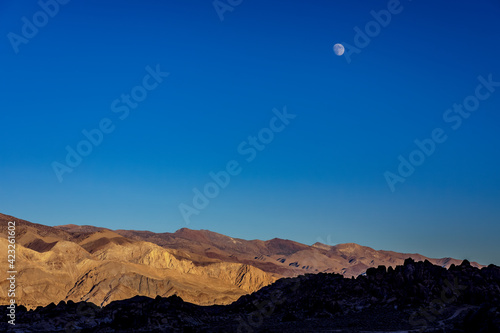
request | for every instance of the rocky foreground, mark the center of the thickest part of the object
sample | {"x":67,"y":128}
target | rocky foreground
{"x":416,"y":297}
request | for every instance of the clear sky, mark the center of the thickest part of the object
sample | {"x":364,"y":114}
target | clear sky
{"x":320,"y":173}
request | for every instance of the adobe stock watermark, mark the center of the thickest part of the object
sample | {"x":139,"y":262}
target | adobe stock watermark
{"x":454,"y":117}
{"x":248,"y":149}
{"x":11,"y":272}
{"x":372,"y":29}
{"x":222,"y":6}
{"x":328,"y":240}
{"x":429,"y":314}
{"x":121,"y":106}
{"x":265,"y":308}
{"x":86,"y":314}
{"x":30,"y":28}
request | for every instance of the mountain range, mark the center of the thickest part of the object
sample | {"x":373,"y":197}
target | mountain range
{"x":99,"y":265}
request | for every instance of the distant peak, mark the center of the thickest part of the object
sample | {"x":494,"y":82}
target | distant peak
{"x":322,"y":246}
{"x":183,"y":230}
{"x":349,"y":245}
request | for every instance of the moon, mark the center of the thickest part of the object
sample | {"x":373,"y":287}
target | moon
{"x":338,"y":49}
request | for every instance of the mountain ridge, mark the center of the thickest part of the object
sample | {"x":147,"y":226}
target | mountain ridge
{"x":89,"y":263}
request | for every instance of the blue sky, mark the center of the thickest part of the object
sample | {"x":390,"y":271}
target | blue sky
{"x":322,"y":178}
